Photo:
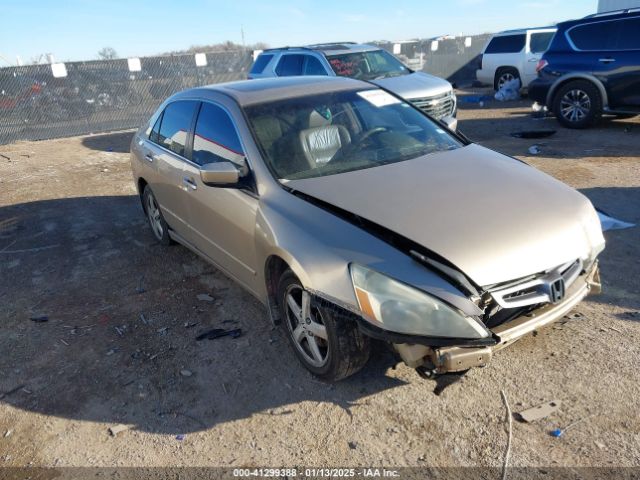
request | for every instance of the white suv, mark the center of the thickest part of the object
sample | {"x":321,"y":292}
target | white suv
{"x":513,"y":54}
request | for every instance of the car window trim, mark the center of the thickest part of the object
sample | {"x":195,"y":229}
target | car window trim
{"x":567,"y":36}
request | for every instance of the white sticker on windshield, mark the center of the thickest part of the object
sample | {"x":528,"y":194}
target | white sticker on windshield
{"x":378,"y":98}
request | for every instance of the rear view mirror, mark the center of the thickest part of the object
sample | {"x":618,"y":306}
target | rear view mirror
{"x":220,"y":174}
{"x":450,"y":122}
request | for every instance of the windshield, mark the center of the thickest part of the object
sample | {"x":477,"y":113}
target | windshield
{"x":338,"y":132}
{"x":367,"y":65}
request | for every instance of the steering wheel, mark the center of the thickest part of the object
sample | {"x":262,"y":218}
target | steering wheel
{"x":374,"y":131}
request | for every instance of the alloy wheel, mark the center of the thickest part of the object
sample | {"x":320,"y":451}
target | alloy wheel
{"x":575,"y":105}
{"x":306,"y":326}
{"x":504,"y":78}
{"x":153,"y":213}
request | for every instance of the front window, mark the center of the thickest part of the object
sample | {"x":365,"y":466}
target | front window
{"x":339,"y":132}
{"x":367,"y":65}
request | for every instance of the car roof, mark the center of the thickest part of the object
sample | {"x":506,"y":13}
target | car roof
{"x":334,"y":48}
{"x":599,"y":17}
{"x":524,"y":30}
{"x":249,"y":92}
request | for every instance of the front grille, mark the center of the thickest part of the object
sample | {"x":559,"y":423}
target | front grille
{"x":437,"y":106}
{"x":536,"y":289}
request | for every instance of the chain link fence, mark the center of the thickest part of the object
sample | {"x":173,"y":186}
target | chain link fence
{"x":101,"y":96}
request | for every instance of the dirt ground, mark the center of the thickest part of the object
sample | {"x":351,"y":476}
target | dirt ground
{"x":119,"y":345}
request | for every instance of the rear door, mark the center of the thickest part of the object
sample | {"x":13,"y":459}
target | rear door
{"x":504,"y":51}
{"x":223,"y":220}
{"x":624,"y":83}
{"x":595,"y":44}
{"x":537,"y":43}
{"x":166,"y":149}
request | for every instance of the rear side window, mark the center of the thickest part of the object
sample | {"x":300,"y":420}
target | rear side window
{"x":540,"y":41}
{"x":261,"y":62}
{"x":629,"y":38}
{"x":215,"y":137}
{"x":154,"y":136}
{"x":313,"y":66}
{"x":290,"y":65}
{"x":506,"y":44}
{"x":595,"y":36}
{"x":176,"y":121}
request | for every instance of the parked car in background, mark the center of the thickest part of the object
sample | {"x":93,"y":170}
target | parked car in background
{"x":513,"y":54}
{"x":353,"y":215}
{"x":431,"y":94}
{"x":591,"y":68}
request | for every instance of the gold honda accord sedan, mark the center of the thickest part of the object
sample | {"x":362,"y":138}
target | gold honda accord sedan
{"x":353,"y":215}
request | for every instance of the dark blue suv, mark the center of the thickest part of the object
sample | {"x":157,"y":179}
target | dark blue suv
{"x":592,"y":67}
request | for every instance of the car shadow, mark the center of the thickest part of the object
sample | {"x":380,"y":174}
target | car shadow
{"x":100,"y":324}
{"x":118,"y":142}
{"x":620,"y":262}
{"x":609,"y":138}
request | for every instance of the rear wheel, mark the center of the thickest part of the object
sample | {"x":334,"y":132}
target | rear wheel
{"x":157,"y":222}
{"x":326,"y":342}
{"x":504,"y":75}
{"x":577,"y":104}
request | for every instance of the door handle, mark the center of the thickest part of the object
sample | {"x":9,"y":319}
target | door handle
{"x":533,"y":60}
{"x":149,"y":157}
{"x":606,"y":60}
{"x":190,"y":183}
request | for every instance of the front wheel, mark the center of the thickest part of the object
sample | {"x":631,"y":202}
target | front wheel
{"x":577,"y":104}
{"x":325,"y":341}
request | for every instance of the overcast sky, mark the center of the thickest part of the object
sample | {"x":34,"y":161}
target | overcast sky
{"x":77,"y":29}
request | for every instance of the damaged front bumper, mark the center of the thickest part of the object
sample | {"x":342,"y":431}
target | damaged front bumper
{"x":456,"y":358}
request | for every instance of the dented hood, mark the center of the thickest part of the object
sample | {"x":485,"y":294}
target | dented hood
{"x":493,"y":217}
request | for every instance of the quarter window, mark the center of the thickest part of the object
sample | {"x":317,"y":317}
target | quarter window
{"x":174,"y":128}
{"x":506,"y":44}
{"x":261,"y":62}
{"x":595,"y":36}
{"x":215,"y":137}
{"x":540,"y":41}
{"x":154,"y":136}
{"x":290,"y":65}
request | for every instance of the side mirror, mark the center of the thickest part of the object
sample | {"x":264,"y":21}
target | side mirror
{"x":220,"y":174}
{"x":450,"y":122}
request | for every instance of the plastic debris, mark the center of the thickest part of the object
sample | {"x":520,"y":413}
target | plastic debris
{"x":116,"y":429}
{"x":180,"y":437}
{"x":8,"y":433}
{"x":474,"y":99}
{"x":534,"y":149}
{"x":186,"y":373}
{"x":558,"y":432}
{"x":610,"y":223}
{"x":205,"y":297}
{"x":508,"y":91}
{"x":39,"y":318}
{"x":219,"y":332}
{"x":541,"y":411}
{"x":533,"y":133}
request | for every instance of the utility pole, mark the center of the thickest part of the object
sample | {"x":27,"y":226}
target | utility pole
{"x":242,"y":35}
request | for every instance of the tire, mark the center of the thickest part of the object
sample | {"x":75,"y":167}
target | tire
{"x":504,"y":74}
{"x":577,"y":104}
{"x":343,"y":350}
{"x":156,"y":220}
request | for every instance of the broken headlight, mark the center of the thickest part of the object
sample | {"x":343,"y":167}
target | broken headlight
{"x":400,"y":308}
